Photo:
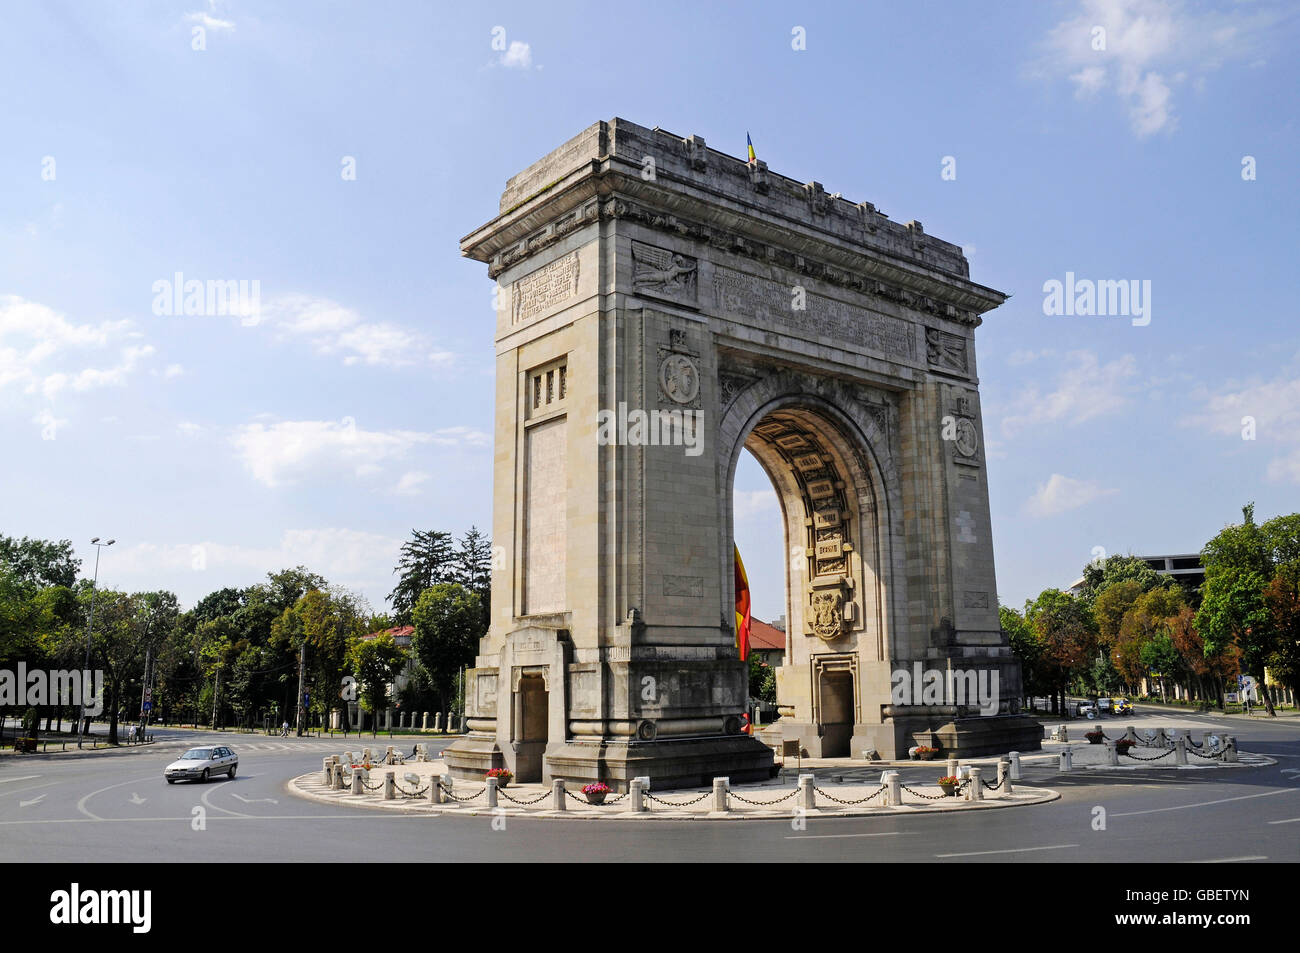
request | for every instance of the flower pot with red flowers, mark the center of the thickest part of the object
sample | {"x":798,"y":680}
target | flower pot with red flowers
{"x":503,"y":776}
{"x":926,"y":753}
{"x":596,"y":792}
{"x":1095,"y":737}
{"x":948,"y":784}
{"x":1123,"y":745}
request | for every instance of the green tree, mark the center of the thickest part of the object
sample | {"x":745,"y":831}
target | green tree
{"x":1100,"y":576}
{"x":1065,"y":626}
{"x":426,"y":560}
{"x":473,"y":569}
{"x":762,"y":680}
{"x":448,"y":621}
{"x":376,"y":661}
{"x":39,"y":562}
{"x":1028,"y":648}
{"x":1239,"y":563}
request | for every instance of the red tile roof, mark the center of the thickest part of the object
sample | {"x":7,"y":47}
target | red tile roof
{"x":400,"y":632}
{"x":765,"y":637}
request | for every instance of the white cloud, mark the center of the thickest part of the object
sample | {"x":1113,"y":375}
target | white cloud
{"x":334,"y":329}
{"x":1086,"y":390}
{"x":1062,"y":493}
{"x":410,"y":483}
{"x":747,"y":504}
{"x":518,"y":56}
{"x":1274,"y":411}
{"x":461,"y":437}
{"x":1149,"y":45}
{"x":285,"y":452}
{"x":43,"y":352}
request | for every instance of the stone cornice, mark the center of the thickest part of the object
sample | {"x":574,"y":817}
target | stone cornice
{"x":612,"y":188}
{"x":603,"y":191}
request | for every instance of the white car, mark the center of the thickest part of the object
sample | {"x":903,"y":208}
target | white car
{"x":199,"y":764}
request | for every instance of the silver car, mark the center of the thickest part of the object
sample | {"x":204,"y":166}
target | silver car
{"x":199,"y":764}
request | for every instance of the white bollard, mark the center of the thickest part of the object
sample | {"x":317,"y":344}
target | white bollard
{"x":388,"y":754}
{"x":492,"y":792}
{"x":1180,"y":750}
{"x":336,"y":782}
{"x":636,"y":797}
{"x":720,"y":787}
{"x":557,"y":794}
{"x":1112,"y":753}
{"x":1067,"y":760}
{"x":327,"y":771}
{"x":389,"y":786}
{"x":895,"y":792}
{"x":807,"y":798}
{"x":1230,"y":748}
{"x":1015,"y":764}
{"x":359,"y":777}
{"x":975,"y":790}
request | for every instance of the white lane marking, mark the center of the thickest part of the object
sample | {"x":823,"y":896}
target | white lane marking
{"x":137,"y":799}
{"x":256,"y":800}
{"x":25,"y":777}
{"x":1015,"y":850}
{"x":1183,"y":807}
{"x":1289,"y":820}
{"x":1227,"y":860}
{"x":37,"y":800}
{"x":832,"y":836}
{"x":204,"y":799}
{"x":81,"y":805}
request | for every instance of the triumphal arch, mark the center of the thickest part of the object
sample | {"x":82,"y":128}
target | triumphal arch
{"x":662,"y":307}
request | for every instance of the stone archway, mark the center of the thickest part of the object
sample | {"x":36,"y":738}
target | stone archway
{"x":825,"y":445}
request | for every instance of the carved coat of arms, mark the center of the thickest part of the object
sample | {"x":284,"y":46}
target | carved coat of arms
{"x":828,"y":615}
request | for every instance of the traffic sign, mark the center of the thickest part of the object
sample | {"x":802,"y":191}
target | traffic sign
{"x":148,"y":706}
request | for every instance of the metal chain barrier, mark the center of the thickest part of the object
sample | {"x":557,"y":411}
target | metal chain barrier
{"x":784,"y":797}
{"x":372,"y":787}
{"x":447,"y":791}
{"x":861,"y":800}
{"x":992,"y":787}
{"x":540,"y":797}
{"x":651,"y":797}
{"x":924,"y":797}
{"x":404,"y":793}
{"x":1129,"y":754}
{"x":1217,"y":756}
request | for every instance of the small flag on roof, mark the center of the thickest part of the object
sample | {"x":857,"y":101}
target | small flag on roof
{"x":750,"y":143}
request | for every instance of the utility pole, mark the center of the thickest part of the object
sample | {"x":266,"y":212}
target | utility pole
{"x":302,"y":659}
{"x":146,"y":693}
{"x":90,"y":627}
{"x":215,"y":695}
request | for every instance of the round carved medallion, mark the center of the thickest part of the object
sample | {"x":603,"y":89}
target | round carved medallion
{"x":968,"y":441}
{"x":679,"y":378}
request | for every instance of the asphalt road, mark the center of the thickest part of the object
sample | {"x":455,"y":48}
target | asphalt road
{"x":115,"y":806}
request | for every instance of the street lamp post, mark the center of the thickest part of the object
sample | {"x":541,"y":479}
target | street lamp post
{"x":90,"y":627}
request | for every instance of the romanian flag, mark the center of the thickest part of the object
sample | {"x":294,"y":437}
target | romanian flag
{"x":752,"y":157}
{"x":742,"y":609}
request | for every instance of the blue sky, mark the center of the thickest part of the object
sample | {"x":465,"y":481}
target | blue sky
{"x":359,"y":404}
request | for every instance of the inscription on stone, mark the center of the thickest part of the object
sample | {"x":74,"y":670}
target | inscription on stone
{"x":975,"y":600}
{"x":762,"y":300}
{"x":544,"y":288}
{"x":691,"y":587}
